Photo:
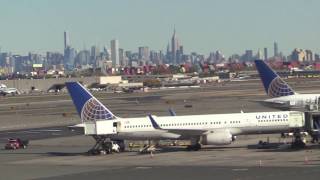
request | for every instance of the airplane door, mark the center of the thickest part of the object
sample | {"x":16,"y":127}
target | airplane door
{"x":118,"y":126}
{"x":251,"y":122}
{"x":296,"y":120}
{"x":89,"y":128}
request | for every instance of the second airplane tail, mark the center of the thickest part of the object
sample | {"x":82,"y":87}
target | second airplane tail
{"x":273,"y":84}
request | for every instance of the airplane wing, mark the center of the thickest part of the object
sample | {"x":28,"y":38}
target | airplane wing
{"x":270,"y":102}
{"x":183,"y":132}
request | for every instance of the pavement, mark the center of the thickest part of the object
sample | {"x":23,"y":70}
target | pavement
{"x":56,"y":153}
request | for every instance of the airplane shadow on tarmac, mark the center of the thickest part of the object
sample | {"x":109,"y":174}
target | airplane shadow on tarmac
{"x":275,"y":147}
{"x":278,"y":147}
{"x":184,"y":149}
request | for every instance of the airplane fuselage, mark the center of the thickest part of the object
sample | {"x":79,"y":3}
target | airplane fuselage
{"x":198,"y":125}
{"x":296,"y":101}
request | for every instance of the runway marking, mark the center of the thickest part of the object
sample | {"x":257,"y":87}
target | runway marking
{"x":56,"y":134}
{"x":31,"y":132}
{"x":47,"y":130}
{"x":143,"y":167}
{"x":243,"y":169}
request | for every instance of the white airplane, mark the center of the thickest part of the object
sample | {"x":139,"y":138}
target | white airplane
{"x":210,"y":129}
{"x":282,"y":95}
{"x":4,"y":90}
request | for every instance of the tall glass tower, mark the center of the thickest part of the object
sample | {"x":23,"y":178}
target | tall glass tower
{"x":115,"y":53}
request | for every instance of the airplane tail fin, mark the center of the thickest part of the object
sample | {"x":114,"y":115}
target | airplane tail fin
{"x":273,"y":84}
{"x":88,"y":107}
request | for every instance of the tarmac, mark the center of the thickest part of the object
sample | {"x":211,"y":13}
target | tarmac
{"x":56,"y":153}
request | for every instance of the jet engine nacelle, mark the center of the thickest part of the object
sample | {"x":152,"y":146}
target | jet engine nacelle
{"x":220,"y":138}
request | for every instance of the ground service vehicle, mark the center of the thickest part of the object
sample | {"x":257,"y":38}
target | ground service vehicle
{"x":16,"y":144}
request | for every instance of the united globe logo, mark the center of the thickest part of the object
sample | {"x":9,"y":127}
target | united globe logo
{"x":94,"y":111}
{"x":279,"y":88}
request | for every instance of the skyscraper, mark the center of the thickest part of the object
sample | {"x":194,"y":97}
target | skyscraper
{"x":298,"y":55}
{"x":265,"y":53}
{"x":69,"y":53}
{"x":122,"y":57}
{"x":115,"y":53}
{"x":144,"y":53}
{"x":174,"y":47}
{"x":276,"y":51}
{"x":66,"y":40}
{"x":259,"y":54}
{"x":95,"y":53}
{"x":69,"y":57}
{"x":309,"y":55}
{"x":248,"y":56}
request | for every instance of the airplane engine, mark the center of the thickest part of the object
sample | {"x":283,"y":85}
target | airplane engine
{"x":221,"y":138}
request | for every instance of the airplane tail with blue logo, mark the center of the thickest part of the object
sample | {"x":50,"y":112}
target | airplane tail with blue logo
{"x":88,"y":107}
{"x":273,"y":84}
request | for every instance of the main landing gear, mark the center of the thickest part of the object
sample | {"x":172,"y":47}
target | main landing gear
{"x":150,"y":147}
{"x":194,"y":147}
{"x":195,"y":144}
{"x":299,"y":140}
{"x":105,"y":146}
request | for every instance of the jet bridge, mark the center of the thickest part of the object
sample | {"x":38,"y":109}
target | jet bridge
{"x":312,"y":124}
{"x":102,"y":131}
{"x":103,"y":127}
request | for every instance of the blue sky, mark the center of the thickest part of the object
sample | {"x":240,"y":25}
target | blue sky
{"x":231,"y":26}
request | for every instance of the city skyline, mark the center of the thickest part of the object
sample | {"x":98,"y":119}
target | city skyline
{"x":202,"y":26}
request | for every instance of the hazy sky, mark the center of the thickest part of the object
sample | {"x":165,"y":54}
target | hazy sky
{"x":231,"y":26}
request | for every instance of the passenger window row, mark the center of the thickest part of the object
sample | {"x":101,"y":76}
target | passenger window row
{"x":234,"y":122}
{"x":179,"y":124}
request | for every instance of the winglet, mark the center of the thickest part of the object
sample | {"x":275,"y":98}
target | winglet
{"x":153,"y":122}
{"x":171,"y":111}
